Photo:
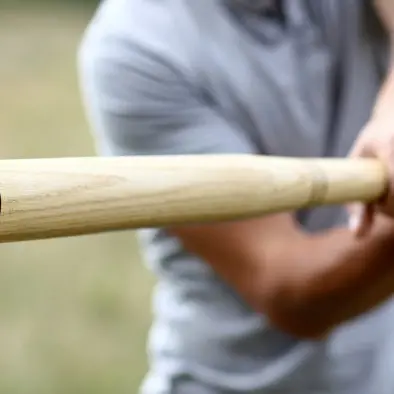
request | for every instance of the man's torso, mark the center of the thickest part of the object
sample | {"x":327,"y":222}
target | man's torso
{"x":302,"y":85}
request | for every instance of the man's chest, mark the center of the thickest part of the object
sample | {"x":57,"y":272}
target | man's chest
{"x":296,"y":90}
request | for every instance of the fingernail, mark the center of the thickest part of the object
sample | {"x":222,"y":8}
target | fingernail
{"x":354,"y":223}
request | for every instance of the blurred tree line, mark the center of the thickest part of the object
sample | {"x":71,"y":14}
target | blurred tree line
{"x":77,"y":2}
{"x":30,"y":3}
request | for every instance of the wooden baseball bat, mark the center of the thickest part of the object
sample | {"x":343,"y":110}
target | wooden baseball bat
{"x":47,"y":198}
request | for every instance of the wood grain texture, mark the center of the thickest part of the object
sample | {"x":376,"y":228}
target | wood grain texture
{"x":46,"y":198}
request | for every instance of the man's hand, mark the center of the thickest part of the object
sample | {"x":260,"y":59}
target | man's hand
{"x":377,"y":138}
{"x":375,"y":141}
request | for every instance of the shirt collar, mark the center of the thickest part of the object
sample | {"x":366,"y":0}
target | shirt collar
{"x":258,"y":5}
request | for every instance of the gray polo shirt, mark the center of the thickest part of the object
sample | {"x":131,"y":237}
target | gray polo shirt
{"x":228,"y":76}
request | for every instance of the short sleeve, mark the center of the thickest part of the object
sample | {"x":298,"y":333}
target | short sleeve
{"x":139,"y":103}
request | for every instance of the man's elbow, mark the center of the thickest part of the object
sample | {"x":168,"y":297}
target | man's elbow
{"x":298,"y":319}
{"x":299,"y":326}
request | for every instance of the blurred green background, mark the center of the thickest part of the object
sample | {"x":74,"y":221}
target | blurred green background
{"x":74,"y":313}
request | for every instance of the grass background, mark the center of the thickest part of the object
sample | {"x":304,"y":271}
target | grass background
{"x":74,"y":313}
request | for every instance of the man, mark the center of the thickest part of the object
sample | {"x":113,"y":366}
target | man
{"x":289,"y":303}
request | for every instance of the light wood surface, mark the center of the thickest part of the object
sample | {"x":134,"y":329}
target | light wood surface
{"x":46,"y":198}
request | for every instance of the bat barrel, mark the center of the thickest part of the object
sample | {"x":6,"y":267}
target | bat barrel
{"x":46,"y":198}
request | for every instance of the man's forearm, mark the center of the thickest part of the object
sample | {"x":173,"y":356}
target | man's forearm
{"x":304,"y":283}
{"x":385,"y":11}
{"x":334,"y":277}
{"x":385,"y":100}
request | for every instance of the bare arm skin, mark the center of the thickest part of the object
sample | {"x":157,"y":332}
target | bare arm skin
{"x":306,"y":284}
{"x":377,"y":138}
{"x":385,"y":10}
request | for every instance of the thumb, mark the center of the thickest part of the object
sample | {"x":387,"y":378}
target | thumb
{"x":360,"y":219}
{"x":361,"y":215}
